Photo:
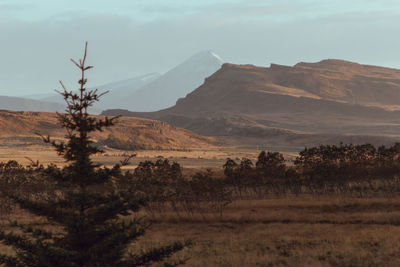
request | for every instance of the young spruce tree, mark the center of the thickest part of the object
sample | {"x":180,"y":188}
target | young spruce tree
{"x":88,"y":211}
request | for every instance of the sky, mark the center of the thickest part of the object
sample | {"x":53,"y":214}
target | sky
{"x":134,"y":37}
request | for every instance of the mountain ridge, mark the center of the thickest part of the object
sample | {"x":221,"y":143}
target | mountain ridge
{"x":328,"y":97}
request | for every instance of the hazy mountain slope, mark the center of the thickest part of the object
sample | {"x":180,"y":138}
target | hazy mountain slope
{"x":41,"y":96}
{"x":154,"y":91}
{"x":20,"y":126}
{"x":25,"y":104}
{"x":332,"y":97}
{"x":117,"y":91}
{"x":176,"y":83}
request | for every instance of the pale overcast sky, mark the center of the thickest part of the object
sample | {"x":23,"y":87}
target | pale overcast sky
{"x":132,"y":37}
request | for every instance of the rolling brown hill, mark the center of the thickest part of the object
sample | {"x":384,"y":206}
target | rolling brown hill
{"x":20,"y":128}
{"x":307,"y":104}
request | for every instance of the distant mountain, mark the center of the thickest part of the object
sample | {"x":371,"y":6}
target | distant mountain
{"x":176,"y":83}
{"x":129,"y":85}
{"x":307,"y":104}
{"x":120,"y":90}
{"x":117,"y":91}
{"x":154,"y":91}
{"x":25,"y":104}
{"x":41,"y":96}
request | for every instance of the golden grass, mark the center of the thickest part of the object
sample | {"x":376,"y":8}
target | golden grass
{"x":282,"y":244}
{"x":296,"y":231}
{"x":45,"y":154}
{"x":303,"y":231}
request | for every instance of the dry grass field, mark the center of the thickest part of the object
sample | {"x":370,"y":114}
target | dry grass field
{"x":299,"y":230}
{"x":289,"y":231}
{"x":195,"y":158}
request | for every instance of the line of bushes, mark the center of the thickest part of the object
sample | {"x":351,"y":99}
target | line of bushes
{"x":359,"y":170}
{"x":356,"y":169}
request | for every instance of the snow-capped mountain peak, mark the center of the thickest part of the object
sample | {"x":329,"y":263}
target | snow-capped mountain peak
{"x":205,"y":55}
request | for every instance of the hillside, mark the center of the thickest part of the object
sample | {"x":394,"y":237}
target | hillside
{"x":333,"y":80}
{"x":17,"y":128}
{"x":308,"y":103}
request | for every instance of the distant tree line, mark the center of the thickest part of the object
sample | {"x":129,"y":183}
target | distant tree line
{"x":357,"y":169}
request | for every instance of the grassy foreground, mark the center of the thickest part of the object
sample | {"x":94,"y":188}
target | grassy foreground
{"x":298,"y":231}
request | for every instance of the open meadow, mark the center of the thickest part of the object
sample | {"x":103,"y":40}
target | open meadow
{"x":286,"y":231}
{"x":301,"y":231}
{"x":269,"y":228}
